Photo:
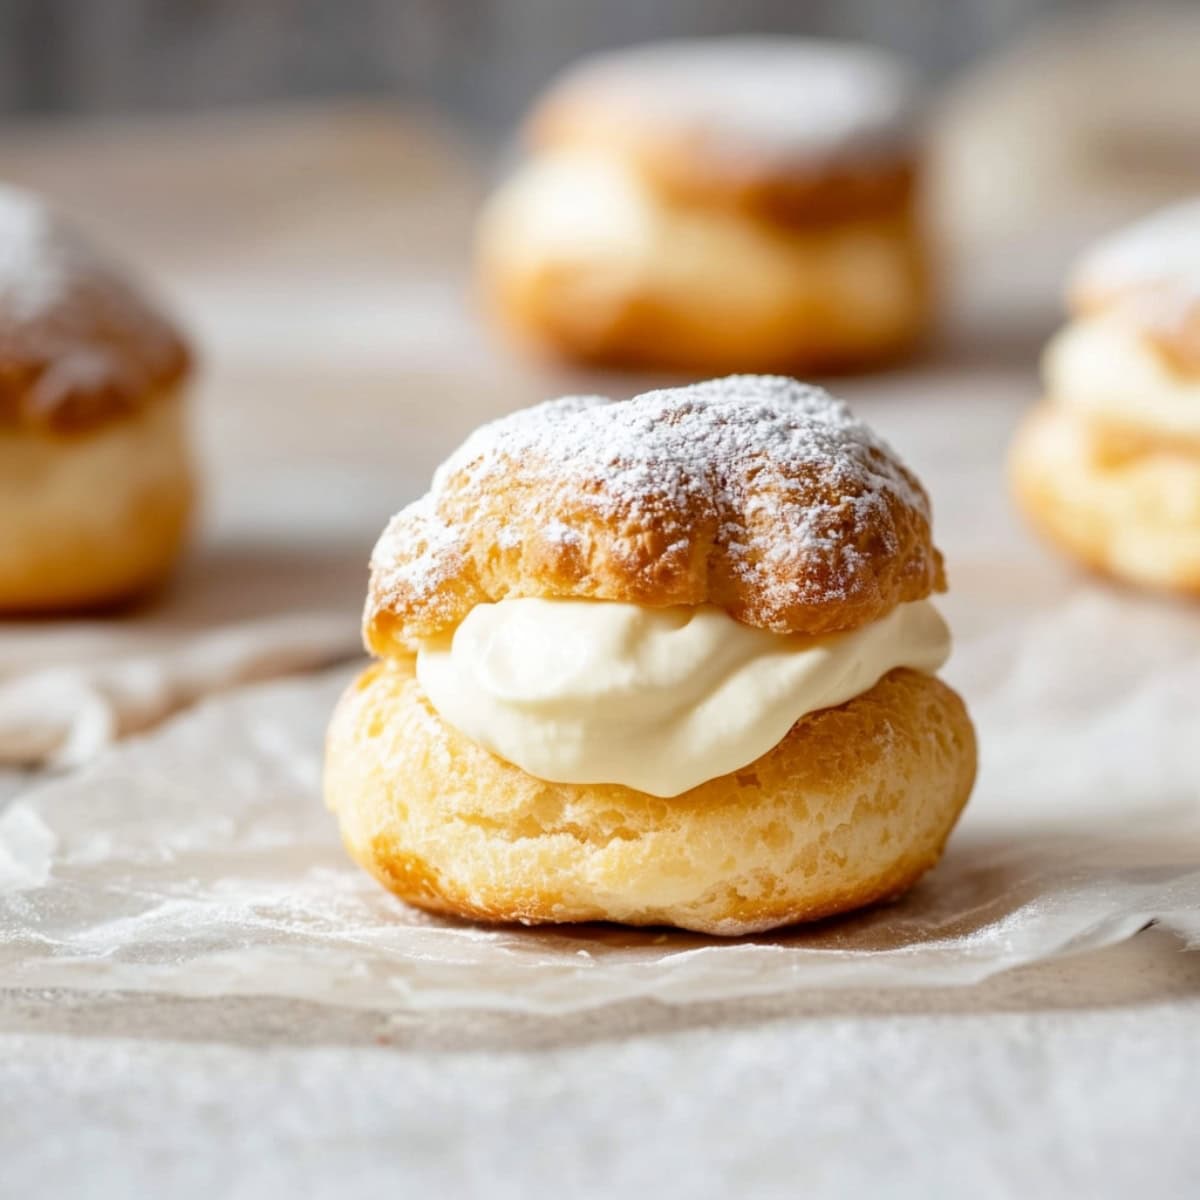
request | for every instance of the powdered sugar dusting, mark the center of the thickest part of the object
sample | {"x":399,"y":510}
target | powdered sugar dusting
{"x":77,"y":342}
{"x":37,"y":257}
{"x":418,"y":549}
{"x":795,"y":98}
{"x":786,"y":469}
{"x":1156,"y":260}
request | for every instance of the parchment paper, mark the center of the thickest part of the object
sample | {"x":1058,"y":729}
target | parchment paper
{"x":199,"y":860}
{"x":71,"y":687}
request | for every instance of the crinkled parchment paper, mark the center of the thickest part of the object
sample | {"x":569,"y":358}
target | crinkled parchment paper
{"x":70,"y":688}
{"x":199,"y":860}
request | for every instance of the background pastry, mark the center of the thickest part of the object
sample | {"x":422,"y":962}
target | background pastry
{"x":711,"y":205}
{"x":1109,"y":466}
{"x":669,"y":661}
{"x":95,"y":484}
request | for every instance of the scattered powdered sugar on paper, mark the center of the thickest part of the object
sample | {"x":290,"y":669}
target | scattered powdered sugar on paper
{"x":793,"y":99}
{"x":199,"y":861}
{"x":26,"y":850}
{"x":742,"y":447}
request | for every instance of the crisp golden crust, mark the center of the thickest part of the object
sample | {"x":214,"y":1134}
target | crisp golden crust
{"x":79,"y":344}
{"x":1123,"y":506}
{"x":753,"y":493}
{"x":789,"y":131}
{"x":850,"y":808}
{"x":95,"y":518}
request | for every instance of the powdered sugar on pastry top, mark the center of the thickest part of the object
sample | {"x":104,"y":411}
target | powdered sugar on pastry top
{"x":792,"y":99}
{"x":1156,"y":261}
{"x":799,"y":500}
{"x":78,"y":343}
{"x":37,"y":257}
{"x":678,"y":440}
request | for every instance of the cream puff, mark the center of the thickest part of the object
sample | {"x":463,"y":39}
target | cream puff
{"x":715,"y":205}
{"x":1109,"y":466}
{"x":95,"y":481}
{"x":668,"y":661}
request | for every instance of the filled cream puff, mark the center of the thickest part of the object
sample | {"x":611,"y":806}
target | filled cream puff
{"x":668,"y":661}
{"x":95,"y":482}
{"x":714,"y":205}
{"x":1109,"y":466}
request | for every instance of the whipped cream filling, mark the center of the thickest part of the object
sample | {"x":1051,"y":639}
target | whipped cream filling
{"x":657,"y":699}
{"x":1105,"y":367}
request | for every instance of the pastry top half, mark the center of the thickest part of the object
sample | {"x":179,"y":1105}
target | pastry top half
{"x":794,"y":130}
{"x":1149,"y":274}
{"x":79,"y":344}
{"x":756,"y":494}
{"x":1129,"y":360}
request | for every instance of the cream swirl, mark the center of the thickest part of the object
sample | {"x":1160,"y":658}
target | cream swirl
{"x":1106,"y":367}
{"x":661,"y":700}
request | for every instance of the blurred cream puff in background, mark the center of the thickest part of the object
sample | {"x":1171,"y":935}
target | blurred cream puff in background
{"x":716,"y":205}
{"x":95,"y":477}
{"x":1109,"y":466}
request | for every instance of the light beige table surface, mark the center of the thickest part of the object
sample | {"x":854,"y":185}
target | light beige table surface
{"x":320,"y":258}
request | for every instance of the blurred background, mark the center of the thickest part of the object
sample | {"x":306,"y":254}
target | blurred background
{"x":481,"y":59}
{"x":1047,"y":108}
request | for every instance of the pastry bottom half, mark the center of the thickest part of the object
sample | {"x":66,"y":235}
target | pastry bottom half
{"x":717,"y":294}
{"x":92,"y":518}
{"x":1126,"y":505}
{"x":850,"y":808}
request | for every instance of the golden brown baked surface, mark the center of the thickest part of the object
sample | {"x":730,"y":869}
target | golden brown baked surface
{"x":1122,"y":505}
{"x":790,"y":130}
{"x":711,"y":293}
{"x":850,"y":808}
{"x":755,"y":493}
{"x":79,"y":344}
{"x":96,"y":518}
